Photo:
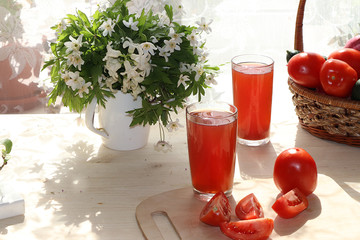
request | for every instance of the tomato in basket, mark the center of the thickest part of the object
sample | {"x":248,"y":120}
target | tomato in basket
{"x":304,"y":69}
{"x":249,"y":208}
{"x":217,"y":210}
{"x":254,"y":229}
{"x":337,"y":78}
{"x":348,"y":55}
{"x":290,"y":204}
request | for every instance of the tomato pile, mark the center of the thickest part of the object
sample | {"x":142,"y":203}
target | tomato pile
{"x":337,"y":75}
{"x":252,"y":224}
{"x":295,"y":175}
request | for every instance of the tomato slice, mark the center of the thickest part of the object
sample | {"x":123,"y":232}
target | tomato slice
{"x":253,"y":229}
{"x":249,"y":208}
{"x":290,"y":204}
{"x":217,"y":210}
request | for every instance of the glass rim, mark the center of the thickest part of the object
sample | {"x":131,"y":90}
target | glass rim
{"x":219,"y":103}
{"x":265,"y":64}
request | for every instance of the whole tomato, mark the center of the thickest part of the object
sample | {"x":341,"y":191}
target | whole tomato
{"x":295,"y":168}
{"x":348,"y":55}
{"x":304,"y":69}
{"x":337,"y":78}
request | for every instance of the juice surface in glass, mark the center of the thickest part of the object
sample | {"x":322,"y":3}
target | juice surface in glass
{"x":252,"y":92}
{"x":212,"y":150}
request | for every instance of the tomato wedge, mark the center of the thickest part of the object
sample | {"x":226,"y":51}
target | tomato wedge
{"x":254,"y":229}
{"x":217,"y":210}
{"x":290,"y":204}
{"x":249,"y":208}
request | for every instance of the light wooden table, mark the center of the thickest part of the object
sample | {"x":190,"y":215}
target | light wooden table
{"x":74,"y":188}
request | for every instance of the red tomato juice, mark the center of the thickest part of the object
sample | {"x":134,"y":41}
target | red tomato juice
{"x":212,"y":150}
{"x":252,"y":94}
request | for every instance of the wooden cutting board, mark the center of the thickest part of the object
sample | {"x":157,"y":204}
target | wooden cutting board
{"x":332,"y":213}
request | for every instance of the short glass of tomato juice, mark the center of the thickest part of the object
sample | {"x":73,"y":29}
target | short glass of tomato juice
{"x":252,"y":81}
{"x":211,"y":137}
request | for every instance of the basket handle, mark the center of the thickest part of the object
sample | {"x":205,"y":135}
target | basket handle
{"x":298,"y":41}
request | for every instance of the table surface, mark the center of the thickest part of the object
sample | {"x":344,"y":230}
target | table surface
{"x":75,"y":188}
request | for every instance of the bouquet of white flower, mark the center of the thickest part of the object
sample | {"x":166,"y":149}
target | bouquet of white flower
{"x":145,"y":54}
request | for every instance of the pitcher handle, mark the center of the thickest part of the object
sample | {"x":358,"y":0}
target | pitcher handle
{"x":89,"y":119}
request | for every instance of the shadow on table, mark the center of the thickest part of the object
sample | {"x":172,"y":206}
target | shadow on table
{"x":4,"y":223}
{"x":78,"y":194}
{"x":332,"y":158}
{"x":256,"y":162}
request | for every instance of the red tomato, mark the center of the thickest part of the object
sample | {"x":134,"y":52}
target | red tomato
{"x":249,"y":208}
{"x":304,"y":69}
{"x":295,"y":168}
{"x":217,"y":210}
{"x":254,"y":229}
{"x":290,"y":204}
{"x":337,"y":78}
{"x":348,"y":55}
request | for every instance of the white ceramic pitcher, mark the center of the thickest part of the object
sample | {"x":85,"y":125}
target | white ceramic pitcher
{"x":114,"y":123}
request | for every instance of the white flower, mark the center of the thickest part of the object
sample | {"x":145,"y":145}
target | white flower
{"x":130,"y":71}
{"x":109,"y":82}
{"x":148,"y":47}
{"x":210,"y":79}
{"x":164,"y":53}
{"x":199,"y":71}
{"x":174,"y":125}
{"x":178,"y":9}
{"x":193,"y":38}
{"x":204,"y":26}
{"x":203,"y":56}
{"x":83,"y":88}
{"x":171,"y":45}
{"x":100,"y":80}
{"x":185,"y":67}
{"x":131,"y":24}
{"x":66,"y":76}
{"x":142,"y":62}
{"x":111,"y":53}
{"x":74,"y":45}
{"x":113,"y":65}
{"x":176,"y":36}
{"x":75,"y":59}
{"x":153,"y":39}
{"x":61,"y":26}
{"x":163,"y":146}
{"x":76,"y":82}
{"x":137,"y":90}
{"x":129,"y":44}
{"x":107,"y":27}
{"x":182,"y":80}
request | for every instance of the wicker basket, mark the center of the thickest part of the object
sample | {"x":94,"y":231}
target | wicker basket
{"x":324,"y":116}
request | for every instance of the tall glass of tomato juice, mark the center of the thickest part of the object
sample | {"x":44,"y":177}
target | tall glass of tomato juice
{"x":211,"y":136}
{"x":252,"y":78}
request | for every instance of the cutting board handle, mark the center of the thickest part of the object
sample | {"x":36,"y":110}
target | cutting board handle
{"x":148,"y":224}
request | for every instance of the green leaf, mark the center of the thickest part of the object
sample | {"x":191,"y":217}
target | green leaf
{"x":84,"y":18}
{"x":169,"y":12}
{"x":8,"y":145}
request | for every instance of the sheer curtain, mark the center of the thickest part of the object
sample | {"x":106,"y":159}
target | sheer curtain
{"x":25,"y":33}
{"x":239,"y":26}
